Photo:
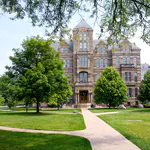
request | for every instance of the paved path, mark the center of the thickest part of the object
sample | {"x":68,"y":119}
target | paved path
{"x":100,"y":134}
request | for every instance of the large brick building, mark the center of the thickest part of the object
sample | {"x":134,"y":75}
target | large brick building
{"x":85,"y":59}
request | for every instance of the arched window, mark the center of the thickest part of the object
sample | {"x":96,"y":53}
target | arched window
{"x":83,"y":76}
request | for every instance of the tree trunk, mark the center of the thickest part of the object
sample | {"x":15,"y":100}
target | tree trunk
{"x":26,"y":108}
{"x":37,"y":106}
{"x":109,"y":105}
{"x":58,"y":106}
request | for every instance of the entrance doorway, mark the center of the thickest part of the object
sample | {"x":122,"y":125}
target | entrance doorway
{"x":83,"y":96}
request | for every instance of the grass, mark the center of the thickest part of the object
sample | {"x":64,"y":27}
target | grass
{"x":42,"y":121}
{"x":137,"y":132}
{"x":51,"y":110}
{"x":101,"y":110}
{"x":33,"y":141}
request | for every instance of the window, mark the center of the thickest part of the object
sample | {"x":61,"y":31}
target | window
{"x":127,"y":76}
{"x":136,"y":92}
{"x":106,"y":62}
{"x":125,"y":48}
{"x":102,"y":63}
{"x":124,"y":59}
{"x":68,"y":63}
{"x":80,"y":46}
{"x":65,"y":64}
{"x":101,"y":49}
{"x":130,"y":92}
{"x":83,"y":76}
{"x":128,"y":60}
{"x":83,"y":60}
{"x":66,"y":50}
{"x":97,"y":62}
{"x":135,"y":76}
{"x":80,"y":36}
{"x":117,"y":61}
{"x":84,"y":35}
{"x":97,"y":76}
{"x":85,"y":46}
{"x":135,"y":62}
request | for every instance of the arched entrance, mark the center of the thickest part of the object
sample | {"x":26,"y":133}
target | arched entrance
{"x":83,"y":97}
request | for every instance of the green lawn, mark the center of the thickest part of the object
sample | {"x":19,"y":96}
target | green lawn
{"x":101,"y":110}
{"x":33,"y":141}
{"x":137,"y":132}
{"x":43,"y":121}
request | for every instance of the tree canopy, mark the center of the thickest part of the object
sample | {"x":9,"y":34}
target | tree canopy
{"x":117,"y":19}
{"x":36,"y":73}
{"x":1,"y":100}
{"x":144,"y":91}
{"x":110,"y":88}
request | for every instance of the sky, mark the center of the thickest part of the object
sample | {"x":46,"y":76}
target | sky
{"x":13,"y":32}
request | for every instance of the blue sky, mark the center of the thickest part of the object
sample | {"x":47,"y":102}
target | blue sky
{"x":12,"y":34}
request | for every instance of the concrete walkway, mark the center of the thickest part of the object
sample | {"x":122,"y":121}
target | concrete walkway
{"x":100,"y":134}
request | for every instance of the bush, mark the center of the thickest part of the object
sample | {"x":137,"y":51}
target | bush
{"x":146,"y":105}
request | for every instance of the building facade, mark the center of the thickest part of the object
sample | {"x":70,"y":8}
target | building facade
{"x":85,"y":59}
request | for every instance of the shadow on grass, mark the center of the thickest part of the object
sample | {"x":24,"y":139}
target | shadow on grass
{"x":102,"y":108}
{"x":142,"y":110}
{"x":26,"y":113}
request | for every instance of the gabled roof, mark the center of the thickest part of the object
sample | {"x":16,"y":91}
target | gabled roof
{"x":83,"y":24}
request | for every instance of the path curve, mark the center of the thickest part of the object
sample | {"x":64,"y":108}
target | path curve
{"x":101,"y":135}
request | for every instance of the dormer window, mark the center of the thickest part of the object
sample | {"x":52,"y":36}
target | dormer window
{"x":126,"y":48}
{"x":101,"y":49}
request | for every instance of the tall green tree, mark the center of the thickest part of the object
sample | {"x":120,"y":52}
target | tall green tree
{"x":144,"y":91}
{"x":110,"y":88}
{"x":2,"y":100}
{"x":36,"y":70}
{"x":120,"y":19}
{"x":63,"y":93}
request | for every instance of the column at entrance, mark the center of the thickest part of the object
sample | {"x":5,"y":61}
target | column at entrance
{"x":78,"y":97}
{"x":89,"y":98}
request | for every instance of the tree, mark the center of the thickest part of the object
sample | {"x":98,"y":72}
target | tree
{"x":119,"y":19}
{"x":36,"y":70}
{"x":144,"y":91}
{"x":110,"y":88}
{"x":62,"y":94}
{"x":1,"y":100}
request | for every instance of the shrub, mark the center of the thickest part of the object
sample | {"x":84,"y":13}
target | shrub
{"x":146,"y":105}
